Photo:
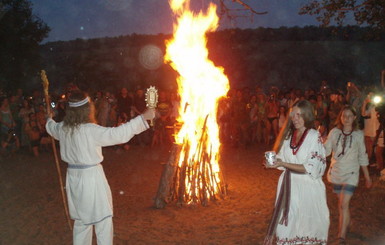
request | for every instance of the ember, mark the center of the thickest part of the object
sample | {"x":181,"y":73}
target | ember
{"x":192,"y":174}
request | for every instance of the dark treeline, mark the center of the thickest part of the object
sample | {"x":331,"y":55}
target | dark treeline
{"x":285,"y":57}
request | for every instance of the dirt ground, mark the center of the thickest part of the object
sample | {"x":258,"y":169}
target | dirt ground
{"x":32,"y":212}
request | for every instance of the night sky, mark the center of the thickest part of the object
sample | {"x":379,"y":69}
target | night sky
{"x":71,"y":19}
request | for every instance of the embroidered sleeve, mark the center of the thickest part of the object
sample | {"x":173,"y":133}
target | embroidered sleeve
{"x":315,"y":163}
{"x":329,"y":143}
{"x":362,"y":155}
{"x":280,"y":156}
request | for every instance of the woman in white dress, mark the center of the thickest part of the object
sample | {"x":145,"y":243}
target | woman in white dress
{"x":301,"y":214}
{"x":81,"y":141}
{"x":346,"y":144}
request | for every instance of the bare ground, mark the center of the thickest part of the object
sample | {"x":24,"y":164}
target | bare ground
{"x":32,"y":212}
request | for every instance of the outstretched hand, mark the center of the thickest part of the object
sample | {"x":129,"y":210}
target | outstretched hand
{"x":149,"y":114}
{"x":49,"y":114}
{"x":276,"y":164}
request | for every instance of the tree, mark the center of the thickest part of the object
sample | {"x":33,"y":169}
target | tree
{"x":365,"y":12}
{"x":20,"y":35}
{"x":227,"y":9}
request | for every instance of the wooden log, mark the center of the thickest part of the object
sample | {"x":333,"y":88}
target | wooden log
{"x":167,"y":179}
{"x":182,"y":176}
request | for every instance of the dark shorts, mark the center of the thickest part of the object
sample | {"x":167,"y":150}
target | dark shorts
{"x":344,"y":188}
{"x":271,"y":119}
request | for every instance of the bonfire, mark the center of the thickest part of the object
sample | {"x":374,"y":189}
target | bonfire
{"x":192,"y":174}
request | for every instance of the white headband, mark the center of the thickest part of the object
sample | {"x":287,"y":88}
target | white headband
{"x":79,"y":103}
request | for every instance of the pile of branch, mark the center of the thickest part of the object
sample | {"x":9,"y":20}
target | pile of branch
{"x":193,"y":180}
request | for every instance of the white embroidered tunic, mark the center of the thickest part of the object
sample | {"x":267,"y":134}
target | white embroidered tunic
{"x":308,"y":218}
{"x":89,"y":195}
{"x":345,"y":163}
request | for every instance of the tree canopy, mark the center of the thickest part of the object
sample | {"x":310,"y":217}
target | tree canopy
{"x":284,"y":57}
{"x":20,"y":34}
{"x":365,"y":12}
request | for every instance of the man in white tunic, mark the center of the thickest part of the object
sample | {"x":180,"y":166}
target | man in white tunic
{"x":81,"y":141}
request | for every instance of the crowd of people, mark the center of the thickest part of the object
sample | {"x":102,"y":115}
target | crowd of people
{"x":246,"y":117}
{"x":22,"y":122}
{"x":23,"y":117}
{"x":249,"y":117}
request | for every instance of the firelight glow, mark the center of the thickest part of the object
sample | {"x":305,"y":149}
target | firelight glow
{"x":200,"y":84}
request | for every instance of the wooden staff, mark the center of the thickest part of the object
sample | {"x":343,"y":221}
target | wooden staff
{"x":47,"y":101}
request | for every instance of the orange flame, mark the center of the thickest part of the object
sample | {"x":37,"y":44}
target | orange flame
{"x":200,"y":85}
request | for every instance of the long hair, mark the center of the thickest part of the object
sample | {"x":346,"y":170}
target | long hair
{"x":76,"y":116}
{"x":339,"y":123}
{"x":307,"y":114}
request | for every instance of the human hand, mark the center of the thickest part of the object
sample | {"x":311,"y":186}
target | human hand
{"x":276,"y":164}
{"x":349,"y":85}
{"x":279,"y":163}
{"x":49,"y":114}
{"x":368,"y":97}
{"x":149,"y":114}
{"x":352,"y":86}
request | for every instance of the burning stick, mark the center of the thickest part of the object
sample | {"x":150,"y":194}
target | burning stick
{"x":47,"y":101}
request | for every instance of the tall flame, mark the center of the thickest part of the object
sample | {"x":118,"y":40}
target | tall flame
{"x":200,"y":85}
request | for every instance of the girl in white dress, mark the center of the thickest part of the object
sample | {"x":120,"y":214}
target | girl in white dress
{"x":81,"y":141}
{"x":347,"y":145}
{"x":301,"y":214}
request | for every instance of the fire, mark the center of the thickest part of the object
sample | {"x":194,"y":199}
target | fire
{"x":200,"y":84}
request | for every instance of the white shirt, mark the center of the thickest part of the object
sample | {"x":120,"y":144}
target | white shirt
{"x":84,"y":145}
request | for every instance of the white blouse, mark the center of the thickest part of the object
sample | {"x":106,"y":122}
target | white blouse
{"x":345,"y":163}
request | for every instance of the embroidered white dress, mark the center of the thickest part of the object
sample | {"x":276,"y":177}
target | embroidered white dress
{"x":345,"y":163}
{"x":308,"y":218}
{"x":89,"y":195}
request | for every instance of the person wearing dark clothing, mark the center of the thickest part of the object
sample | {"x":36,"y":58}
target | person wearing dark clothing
{"x":124,"y":102}
{"x":138,"y":107}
